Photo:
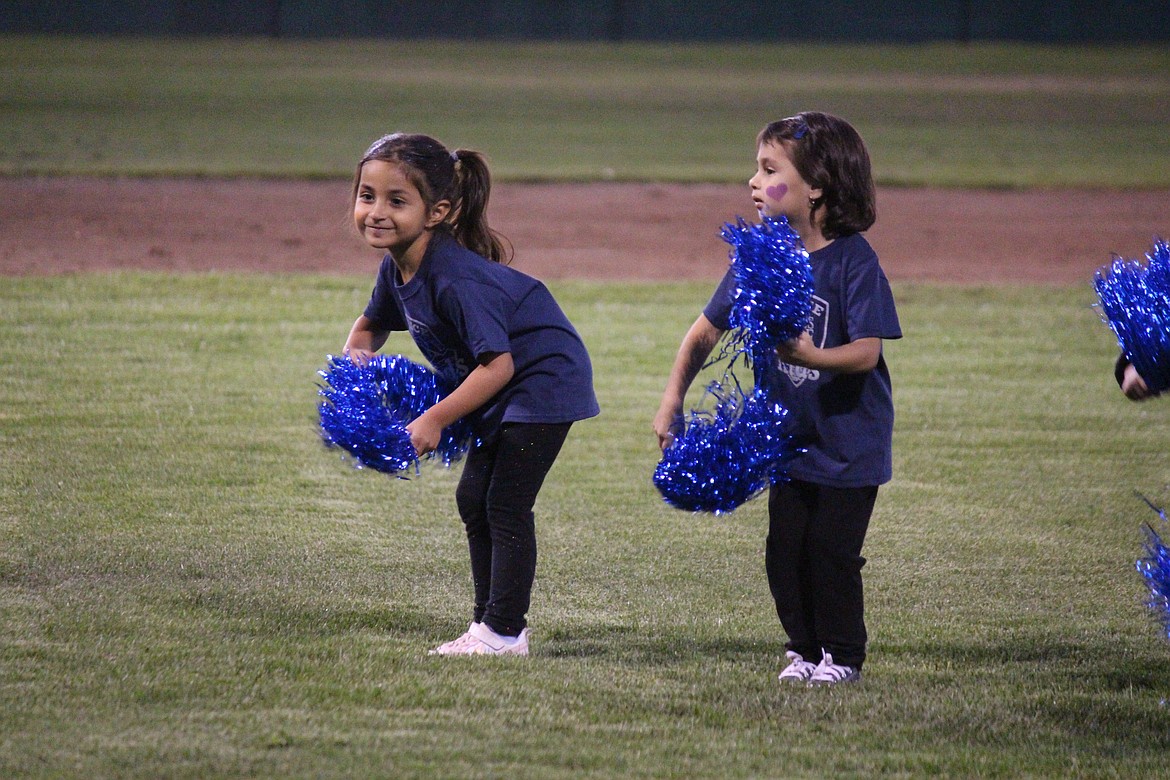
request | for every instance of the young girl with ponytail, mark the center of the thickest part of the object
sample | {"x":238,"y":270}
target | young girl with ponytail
{"x":520,"y":371}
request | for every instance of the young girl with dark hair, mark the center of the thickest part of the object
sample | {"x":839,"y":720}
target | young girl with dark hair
{"x":814,"y":170}
{"x":520,"y":370}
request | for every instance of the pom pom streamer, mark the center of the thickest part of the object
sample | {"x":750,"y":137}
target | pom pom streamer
{"x":366,"y":408}
{"x":1155,"y":568}
{"x":728,"y":455}
{"x":773,"y":297}
{"x":1135,"y":302}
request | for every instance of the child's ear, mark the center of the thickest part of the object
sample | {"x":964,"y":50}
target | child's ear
{"x":439,"y":212}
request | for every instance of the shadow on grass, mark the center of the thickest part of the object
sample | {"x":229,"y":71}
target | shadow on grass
{"x":631,"y":645}
{"x":1040,"y":656}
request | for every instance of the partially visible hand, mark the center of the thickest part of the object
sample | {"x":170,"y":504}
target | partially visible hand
{"x":1133,"y":385}
{"x":666,"y":425}
{"x":798,"y":351}
{"x":359,"y":357}
{"x":424,"y":435}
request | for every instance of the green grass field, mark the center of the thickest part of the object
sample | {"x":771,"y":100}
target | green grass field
{"x":192,"y":586}
{"x":980,"y":115}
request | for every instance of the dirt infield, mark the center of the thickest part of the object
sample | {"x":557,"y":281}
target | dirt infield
{"x":596,"y":231}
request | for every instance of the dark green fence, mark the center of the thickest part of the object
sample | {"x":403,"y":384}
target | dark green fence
{"x":1051,"y":21}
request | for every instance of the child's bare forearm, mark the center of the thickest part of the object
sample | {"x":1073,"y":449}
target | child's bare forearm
{"x":364,"y":339}
{"x":853,"y":358}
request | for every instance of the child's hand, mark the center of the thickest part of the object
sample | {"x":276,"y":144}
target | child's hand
{"x":799,"y":351}
{"x":424,"y":435}
{"x":666,"y":426}
{"x":359,"y":356}
{"x":1133,"y":385}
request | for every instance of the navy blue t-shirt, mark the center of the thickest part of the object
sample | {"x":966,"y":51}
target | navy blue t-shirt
{"x":846,"y":421}
{"x":460,"y":306}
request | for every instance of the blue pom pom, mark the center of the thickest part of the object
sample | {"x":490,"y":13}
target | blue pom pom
{"x":366,"y":408}
{"x":727,"y":456}
{"x":774,"y":285}
{"x":1135,"y":302}
{"x":1155,"y":568}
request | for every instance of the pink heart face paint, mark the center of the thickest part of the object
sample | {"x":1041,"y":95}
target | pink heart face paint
{"x":777,"y":192}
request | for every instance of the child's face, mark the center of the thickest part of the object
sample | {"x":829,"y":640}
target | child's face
{"x":389,"y":211}
{"x":777,"y":188}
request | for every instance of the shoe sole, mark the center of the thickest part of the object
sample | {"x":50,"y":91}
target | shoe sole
{"x":479,"y":649}
{"x":850,"y":680}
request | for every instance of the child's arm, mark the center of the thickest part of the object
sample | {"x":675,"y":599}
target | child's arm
{"x":484,"y":381}
{"x":692,"y":354}
{"x":364,"y":340}
{"x":853,"y":358}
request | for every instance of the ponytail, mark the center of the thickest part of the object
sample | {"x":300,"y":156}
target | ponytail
{"x":468,"y":220}
{"x":461,"y":177}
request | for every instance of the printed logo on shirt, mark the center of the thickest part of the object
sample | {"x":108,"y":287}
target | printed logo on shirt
{"x":818,"y":329}
{"x":799,"y":373}
{"x":446,"y":360}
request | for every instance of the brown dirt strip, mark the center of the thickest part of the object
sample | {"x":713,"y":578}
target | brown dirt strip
{"x":605,"y":231}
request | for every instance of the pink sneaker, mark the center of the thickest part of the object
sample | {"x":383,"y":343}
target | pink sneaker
{"x":455,"y":646}
{"x":481,"y":640}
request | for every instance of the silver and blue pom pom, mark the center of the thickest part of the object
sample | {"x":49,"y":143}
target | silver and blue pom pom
{"x":726,"y":456}
{"x":1134,"y":297}
{"x":774,"y":284}
{"x":365,"y":410}
{"x":1155,"y":569}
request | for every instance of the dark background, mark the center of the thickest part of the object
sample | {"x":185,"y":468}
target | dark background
{"x":910,"y":21}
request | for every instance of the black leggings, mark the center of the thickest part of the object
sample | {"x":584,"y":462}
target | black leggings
{"x":501,"y":477}
{"x":814,"y":561}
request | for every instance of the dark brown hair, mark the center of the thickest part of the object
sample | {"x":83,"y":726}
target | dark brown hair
{"x":830,"y":155}
{"x":460,"y":176}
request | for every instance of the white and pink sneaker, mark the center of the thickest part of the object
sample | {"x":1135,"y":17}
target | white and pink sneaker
{"x":481,"y":640}
{"x":454,"y":646}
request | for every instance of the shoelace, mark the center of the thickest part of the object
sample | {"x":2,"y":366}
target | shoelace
{"x":456,"y":644}
{"x":799,"y":669}
{"x":831,"y":671}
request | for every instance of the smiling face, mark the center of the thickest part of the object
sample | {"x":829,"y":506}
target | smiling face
{"x":390,"y":213}
{"x":778,"y":189}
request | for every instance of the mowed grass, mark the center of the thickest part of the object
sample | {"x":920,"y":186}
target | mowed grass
{"x":959,"y":115}
{"x":192,"y":586}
